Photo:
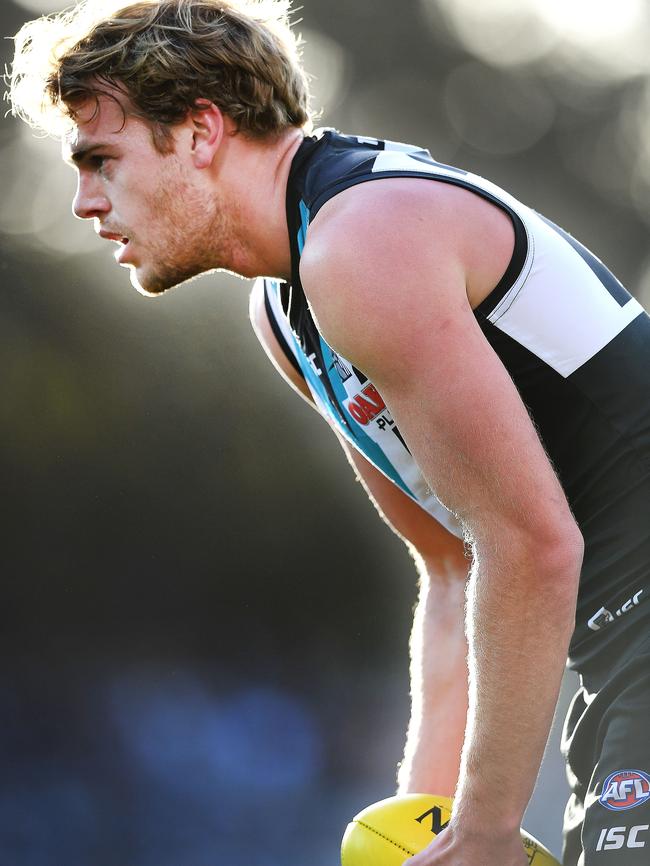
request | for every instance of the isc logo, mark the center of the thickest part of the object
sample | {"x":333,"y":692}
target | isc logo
{"x":617,"y":837}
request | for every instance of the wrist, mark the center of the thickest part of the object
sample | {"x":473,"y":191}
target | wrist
{"x":481,"y":831}
{"x":486,"y":813}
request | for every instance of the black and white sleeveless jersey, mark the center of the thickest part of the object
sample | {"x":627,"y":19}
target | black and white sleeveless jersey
{"x":575,"y":343}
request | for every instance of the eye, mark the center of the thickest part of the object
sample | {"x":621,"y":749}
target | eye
{"x":98,"y":162}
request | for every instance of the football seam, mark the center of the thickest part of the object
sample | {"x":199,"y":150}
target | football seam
{"x":387,"y":838}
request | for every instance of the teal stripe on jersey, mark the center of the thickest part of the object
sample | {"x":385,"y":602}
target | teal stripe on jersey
{"x":304,"y":222}
{"x":368,"y":446}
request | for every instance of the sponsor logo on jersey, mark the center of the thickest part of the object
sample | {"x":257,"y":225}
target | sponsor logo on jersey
{"x":603,"y":616}
{"x":366,"y":405}
{"x":342,"y":367}
{"x":625,"y":789}
{"x":312,"y":363}
{"x":612,"y":838}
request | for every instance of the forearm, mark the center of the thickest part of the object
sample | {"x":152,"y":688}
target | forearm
{"x":520,"y":620}
{"x":438,"y":669}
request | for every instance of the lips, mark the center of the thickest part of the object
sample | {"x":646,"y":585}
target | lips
{"x":119,"y":238}
{"x":114,"y":236}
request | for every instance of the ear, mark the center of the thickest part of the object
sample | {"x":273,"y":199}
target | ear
{"x":208,"y":126}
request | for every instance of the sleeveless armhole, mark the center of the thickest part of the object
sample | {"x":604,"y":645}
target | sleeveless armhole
{"x":278,"y":333}
{"x":521,"y":248}
{"x":514,"y":269}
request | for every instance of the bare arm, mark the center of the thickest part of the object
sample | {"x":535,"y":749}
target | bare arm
{"x":438,"y":692}
{"x":472,"y":437}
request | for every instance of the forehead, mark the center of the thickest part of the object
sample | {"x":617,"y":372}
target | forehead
{"x":104,"y":119}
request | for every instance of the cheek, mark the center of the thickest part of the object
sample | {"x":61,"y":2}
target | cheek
{"x":156,"y":207}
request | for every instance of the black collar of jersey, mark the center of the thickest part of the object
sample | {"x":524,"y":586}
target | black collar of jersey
{"x":295,"y":183}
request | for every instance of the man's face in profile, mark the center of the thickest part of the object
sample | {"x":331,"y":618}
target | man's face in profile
{"x":155,"y":206}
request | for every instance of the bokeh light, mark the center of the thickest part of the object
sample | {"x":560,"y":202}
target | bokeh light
{"x":497,"y":113}
{"x":501,"y":32}
{"x":328,"y":64}
{"x":593,"y":24}
{"x":602,"y":39}
{"x":38,"y":192}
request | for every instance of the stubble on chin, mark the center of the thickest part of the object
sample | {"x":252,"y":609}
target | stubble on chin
{"x":153,"y":285}
{"x":192,"y":234}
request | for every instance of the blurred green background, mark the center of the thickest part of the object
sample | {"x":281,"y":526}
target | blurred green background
{"x":204,"y":624}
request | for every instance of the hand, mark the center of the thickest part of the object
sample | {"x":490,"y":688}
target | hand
{"x":451,"y":848}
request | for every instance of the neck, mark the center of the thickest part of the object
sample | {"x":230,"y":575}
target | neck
{"x":259,"y":195}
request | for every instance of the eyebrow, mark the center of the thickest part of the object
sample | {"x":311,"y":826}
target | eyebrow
{"x":78,"y":154}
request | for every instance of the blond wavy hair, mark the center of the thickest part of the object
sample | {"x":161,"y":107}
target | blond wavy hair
{"x":163,"y":55}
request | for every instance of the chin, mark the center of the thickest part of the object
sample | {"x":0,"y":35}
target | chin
{"x":149,"y":285}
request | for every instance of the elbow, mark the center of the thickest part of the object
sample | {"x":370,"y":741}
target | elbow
{"x":559,"y":555}
{"x":543,"y":549}
{"x":565,"y":542}
{"x":546,"y":552}
{"x":575,"y":546}
{"x":553,"y":575}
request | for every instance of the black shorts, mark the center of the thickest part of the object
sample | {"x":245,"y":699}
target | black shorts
{"x":606,"y":744}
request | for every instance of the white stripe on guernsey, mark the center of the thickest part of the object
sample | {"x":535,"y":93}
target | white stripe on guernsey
{"x":433,"y":506}
{"x":562,"y":312}
{"x":400,"y":146}
{"x":557,"y":307}
{"x":398,"y":159}
{"x":278,"y":313}
{"x":390,"y":145}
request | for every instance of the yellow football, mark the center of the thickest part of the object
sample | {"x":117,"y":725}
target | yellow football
{"x":389,"y":832}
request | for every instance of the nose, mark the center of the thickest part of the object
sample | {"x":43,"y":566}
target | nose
{"x":90,"y":200}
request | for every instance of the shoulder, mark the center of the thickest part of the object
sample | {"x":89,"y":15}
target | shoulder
{"x":380,"y":223}
{"x":394,"y":252}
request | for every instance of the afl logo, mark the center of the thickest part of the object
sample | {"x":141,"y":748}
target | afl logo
{"x":625,"y":789}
